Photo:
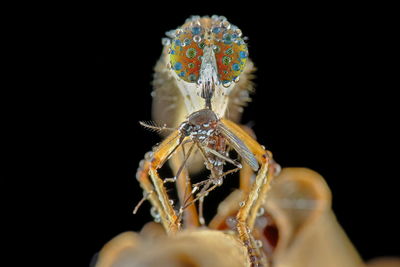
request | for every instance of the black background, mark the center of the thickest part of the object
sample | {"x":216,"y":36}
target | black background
{"x":322,"y":101}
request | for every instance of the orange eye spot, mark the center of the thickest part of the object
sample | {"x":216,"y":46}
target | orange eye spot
{"x":185,"y":56}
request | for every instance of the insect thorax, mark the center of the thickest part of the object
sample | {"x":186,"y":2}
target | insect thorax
{"x":200,"y":125}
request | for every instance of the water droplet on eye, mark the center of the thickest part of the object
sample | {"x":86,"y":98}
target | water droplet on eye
{"x":165,"y":41}
{"x":226,"y":84}
{"x":186,"y":41}
{"x":258,"y":243}
{"x":238,"y":32}
{"x":170,"y":34}
{"x":227,"y":38}
{"x":242,"y":203}
{"x":260,"y":211}
{"x":226,"y":24}
{"x":196,"y":30}
{"x":178,"y":32}
{"x":196,"y":38}
{"x":216,"y":49}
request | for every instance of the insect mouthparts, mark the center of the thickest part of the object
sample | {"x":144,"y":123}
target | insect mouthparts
{"x":208,"y":75}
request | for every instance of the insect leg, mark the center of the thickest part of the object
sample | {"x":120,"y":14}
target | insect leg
{"x":190,"y":218}
{"x":249,"y":207}
{"x":158,"y":196}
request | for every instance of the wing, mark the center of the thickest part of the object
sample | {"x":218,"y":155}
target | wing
{"x":239,"y":146}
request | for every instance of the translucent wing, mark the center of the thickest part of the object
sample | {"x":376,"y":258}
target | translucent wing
{"x":239,"y":146}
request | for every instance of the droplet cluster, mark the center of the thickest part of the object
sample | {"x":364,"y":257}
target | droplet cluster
{"x":187,"y":43}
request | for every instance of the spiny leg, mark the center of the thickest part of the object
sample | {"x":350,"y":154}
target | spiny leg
{"x":249,"y":207}
{"x":142,"y":175}
{"x":245,"y":180}
{"x":158,"y":196}
{"x":190,"y":217}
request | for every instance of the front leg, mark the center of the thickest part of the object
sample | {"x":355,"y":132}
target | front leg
{"x":154,"y":189}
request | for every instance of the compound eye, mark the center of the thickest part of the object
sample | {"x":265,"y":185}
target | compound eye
{"x":230,"y":53}
{"x":187,"y":47}
{"x":186,"y":52}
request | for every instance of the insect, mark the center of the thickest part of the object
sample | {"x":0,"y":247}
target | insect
{"x":202,"y":82}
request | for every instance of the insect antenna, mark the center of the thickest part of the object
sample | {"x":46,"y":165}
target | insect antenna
{"x":153,"y":126}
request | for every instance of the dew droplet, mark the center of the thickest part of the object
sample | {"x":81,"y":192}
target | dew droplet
{"x":196,"y":38}
{"x":258,"y":243}
{"x":242,"y":203}
{"x":170,"y":34}
{"x":236,"y":79}
{"x":202,"y":221}
{"x":148,"y":156}
{"x":278,"y":169}
{"x":138,"y":175}
{"x":171,"y":202}
{"x":226,"y":24}
{"x":165,"y":41}
{"x":214,"y":17}
{"x":226,"y":84}
{"x":253,"y":259}
{"x":178,"y":32}
{"x":154,"y":212}
{"x":141,"y":164}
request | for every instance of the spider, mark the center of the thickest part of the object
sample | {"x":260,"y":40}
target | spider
{"x":202,"y":82}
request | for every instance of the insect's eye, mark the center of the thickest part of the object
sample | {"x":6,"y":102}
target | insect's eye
{"x":188,"y":44}
{"x":186,"y":52}
{"x":230,"y":53}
